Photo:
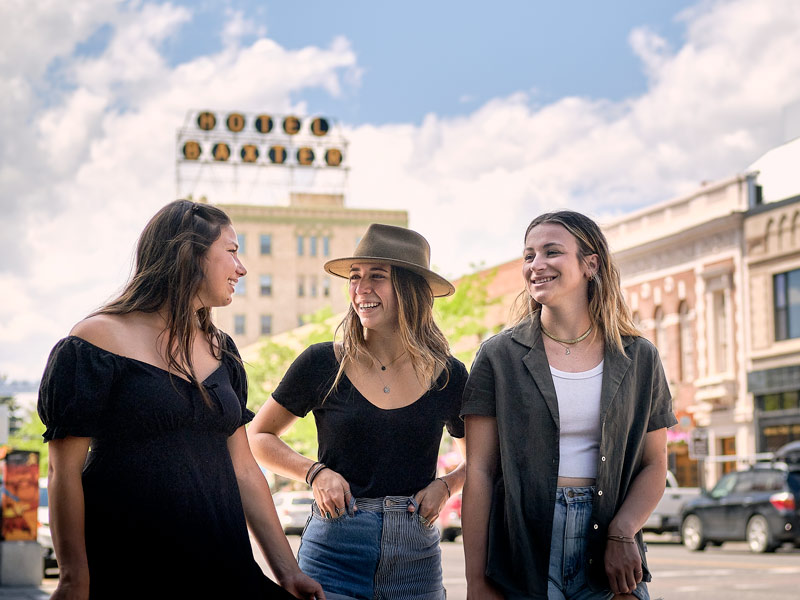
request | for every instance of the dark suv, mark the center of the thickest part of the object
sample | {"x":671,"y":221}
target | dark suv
{"x":759,"y":505}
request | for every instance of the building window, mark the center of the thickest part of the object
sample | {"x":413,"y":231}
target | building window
{"x":300,"y":244}
{"x":240,"y":287}
{"x":727,"y":447}
{"x":779,"y":401}
{"x":326,"y":246}
{"x":266,"y":243}
{"x":687,"y":343}
{"x":301,"y":286}
{"x":238,"y":324}
{"x":720,"y":332}
{"x":312,"y":245}
{"x":266,"y":324}
{"x":241,"y":239}
{"x":326,"y":286}
{"x":787,"y":305}
{"x":300,"y":321}
{"x":265,"y":285}
{"x":313,"y":287}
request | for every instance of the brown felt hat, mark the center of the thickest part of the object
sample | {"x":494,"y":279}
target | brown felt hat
{"x":396,"y":246}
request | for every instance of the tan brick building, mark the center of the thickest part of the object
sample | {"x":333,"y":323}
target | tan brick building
{"x":283,"y":249}
{"x":772,"y":235}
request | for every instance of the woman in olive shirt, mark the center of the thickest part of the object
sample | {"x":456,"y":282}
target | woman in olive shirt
{"x":566,"y":416}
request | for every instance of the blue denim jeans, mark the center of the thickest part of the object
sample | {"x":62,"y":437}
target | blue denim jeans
{"x":567,"y":576}
{"x":378,"y":552}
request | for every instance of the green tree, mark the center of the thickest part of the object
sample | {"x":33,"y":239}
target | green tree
{"x":462,"y":316}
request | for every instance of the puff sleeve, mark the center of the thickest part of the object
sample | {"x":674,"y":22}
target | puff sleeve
{"x":75,"y":389}
{"x":238,"y":378}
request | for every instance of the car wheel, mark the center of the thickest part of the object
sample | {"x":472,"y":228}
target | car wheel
{"x":758,"y":535}
{"x":692,"y":533}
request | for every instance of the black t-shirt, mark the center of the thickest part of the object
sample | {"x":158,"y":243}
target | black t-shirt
{"x":379,"y":452}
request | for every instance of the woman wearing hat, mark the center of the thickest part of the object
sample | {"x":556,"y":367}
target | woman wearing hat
{"x":380,"y":397}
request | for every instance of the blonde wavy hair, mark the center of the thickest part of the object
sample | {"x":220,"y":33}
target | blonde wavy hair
{"x":420,"y":336}
{"x":608,"y":311}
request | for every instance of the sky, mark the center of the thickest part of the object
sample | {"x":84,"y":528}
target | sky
{"x":473,"y":117}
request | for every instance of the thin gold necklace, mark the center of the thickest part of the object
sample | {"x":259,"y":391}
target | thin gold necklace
{"x":562,"y":341}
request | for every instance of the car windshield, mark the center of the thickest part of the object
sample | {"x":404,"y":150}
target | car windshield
{"x":724,"y":486}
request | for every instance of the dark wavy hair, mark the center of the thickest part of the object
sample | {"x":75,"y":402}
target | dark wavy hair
{"x":167,"y":276}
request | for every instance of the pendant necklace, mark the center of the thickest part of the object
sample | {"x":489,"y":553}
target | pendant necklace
{"x":386,"y":388}
{"x":561,"y":341}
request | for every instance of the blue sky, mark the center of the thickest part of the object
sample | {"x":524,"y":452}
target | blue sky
{"x":449,"y":57}
{"x":473,"y":117}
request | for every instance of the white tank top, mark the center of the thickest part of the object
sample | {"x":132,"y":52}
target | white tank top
{"x":579,"y":414}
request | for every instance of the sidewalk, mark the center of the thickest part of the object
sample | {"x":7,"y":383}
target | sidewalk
{"x":28,"y":592}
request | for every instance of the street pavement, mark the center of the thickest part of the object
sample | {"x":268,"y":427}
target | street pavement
{"x":729,"y":572}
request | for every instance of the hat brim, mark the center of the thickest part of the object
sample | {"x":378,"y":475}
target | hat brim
{"x":440,"y":287}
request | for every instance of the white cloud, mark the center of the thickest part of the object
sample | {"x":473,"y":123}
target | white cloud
{"x":90,"y":158}
{"x":86,"y":156}
{"x":473,"y":183}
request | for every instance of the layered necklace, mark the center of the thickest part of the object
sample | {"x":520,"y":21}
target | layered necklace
{"x":386,"y":388}
{"x":569,"y":342}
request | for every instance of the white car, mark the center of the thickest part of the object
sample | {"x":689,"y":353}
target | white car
{"x":294,"y":509}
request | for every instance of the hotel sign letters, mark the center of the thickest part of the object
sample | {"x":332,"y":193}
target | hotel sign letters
{"x":262,"y":139}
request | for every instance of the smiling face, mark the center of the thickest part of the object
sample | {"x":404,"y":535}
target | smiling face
{"x":222,"y":270}
{"x":554,"y":271}
{"x":372,"y":295}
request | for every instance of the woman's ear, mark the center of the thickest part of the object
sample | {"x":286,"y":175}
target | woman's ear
{"x":591,"y":263}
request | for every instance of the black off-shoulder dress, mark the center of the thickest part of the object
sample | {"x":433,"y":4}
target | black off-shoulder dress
{"x":164,"y":518}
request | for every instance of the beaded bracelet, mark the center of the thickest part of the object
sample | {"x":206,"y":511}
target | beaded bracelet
{"x":445,"y":485}
{"x":621,"y":538}
{"x":311,"y":468}
{"x":311,"y":479}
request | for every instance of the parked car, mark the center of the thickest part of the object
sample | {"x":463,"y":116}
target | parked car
{"x":758,"y":505}
{"x":449,"y":521}
{"x":667,"y":515}
{"x":293,"y":508}
{"x":43,"y":535}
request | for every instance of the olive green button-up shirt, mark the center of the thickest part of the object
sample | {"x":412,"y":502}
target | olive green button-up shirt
{"x":510,"y":380}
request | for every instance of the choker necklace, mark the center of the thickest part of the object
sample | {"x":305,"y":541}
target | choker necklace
{"x":386,"y":388}
{"x":562,"y":341}
{"x":389,"y":364}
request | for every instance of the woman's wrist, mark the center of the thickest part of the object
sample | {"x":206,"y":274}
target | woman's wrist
{"x":447,"y":487}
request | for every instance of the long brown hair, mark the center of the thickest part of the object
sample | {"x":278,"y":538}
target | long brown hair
{"x":608,"y":311}
{"x":167,"y":275}
{"x":419,"y":334}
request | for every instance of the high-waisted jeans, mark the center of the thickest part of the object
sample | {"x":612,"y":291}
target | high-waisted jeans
{"x":379,"y":552}
{"x":567,"y":576}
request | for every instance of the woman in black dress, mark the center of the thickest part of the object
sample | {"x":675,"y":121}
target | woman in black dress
{"x":155,"y":395}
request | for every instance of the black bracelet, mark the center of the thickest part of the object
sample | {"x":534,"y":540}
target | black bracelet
{"x":445,"y":485}
{"x":311,"y":468}
{"x":621,"y":538}
{"x":315,"y":473}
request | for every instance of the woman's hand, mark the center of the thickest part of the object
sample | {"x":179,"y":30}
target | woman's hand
{"x":623,"y":566}
{"x":301,"y":585}
{"x":430,"y":500}
{"x":332,"y":493}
